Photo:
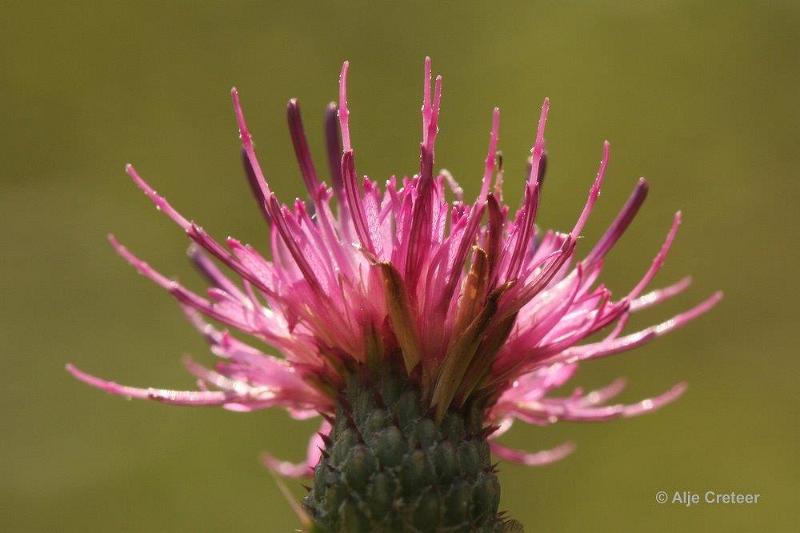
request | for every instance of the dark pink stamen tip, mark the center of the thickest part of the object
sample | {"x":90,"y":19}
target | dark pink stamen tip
{"x":344,"y":112}
{"x":333,"y":144}
{"x":620,"y":223}
{"x":542,"y":168}
{"x":255,"y":188}
{"x":300,"y":144}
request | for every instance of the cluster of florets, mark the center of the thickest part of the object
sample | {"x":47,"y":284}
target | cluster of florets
{"x":474,"y":303}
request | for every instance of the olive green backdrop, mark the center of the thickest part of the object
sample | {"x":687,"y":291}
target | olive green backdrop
{"x":700,"y":97}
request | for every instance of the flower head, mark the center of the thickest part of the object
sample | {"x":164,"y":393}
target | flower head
{"x":472,"y":303}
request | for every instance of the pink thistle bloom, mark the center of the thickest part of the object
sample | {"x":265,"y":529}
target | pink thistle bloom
{"x":471,"y":300}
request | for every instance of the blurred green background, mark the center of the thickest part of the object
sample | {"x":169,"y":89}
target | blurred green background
{"x":700,"y":97}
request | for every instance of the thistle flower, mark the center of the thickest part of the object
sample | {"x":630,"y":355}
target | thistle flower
{"x":418,"y":328}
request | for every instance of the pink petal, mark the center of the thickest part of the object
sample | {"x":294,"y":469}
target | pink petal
{"x":543,"y":457}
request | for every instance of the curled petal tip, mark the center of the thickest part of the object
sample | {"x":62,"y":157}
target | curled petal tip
{"x":687,"y":316}
{"x":106,"y":386}
{"x":651,"y":404}
{"x":541,"y":458}
{"x":114,"y":242}
{"x":112,"y":239}
{"x":660,"y":295}
{"x":237,"y":105}
{"x":284,"y":468}
{"x":709,"y":302}
{"x":677,"y":390}
{"x":79,"y":374}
